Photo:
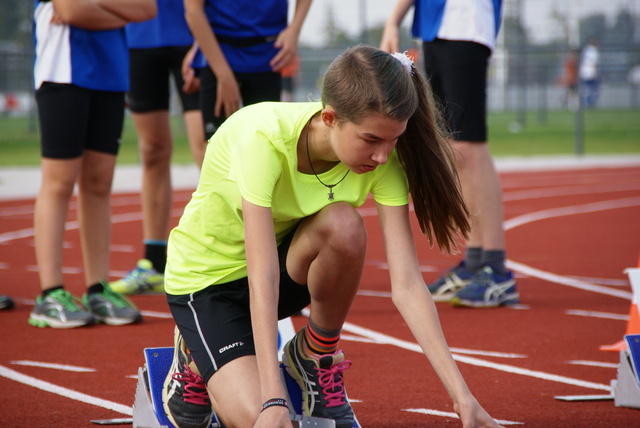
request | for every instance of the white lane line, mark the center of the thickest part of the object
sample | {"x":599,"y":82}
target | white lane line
{"x":518,"y":195}
{"x":566,"y":211}
{"x":74,"y":225}
{"x":486,"y":353}
{"x":570,"y":210}
{"x":596,"y":314}
{"x":453,"y":415}
{"x":15,"y":234}
{"x":593,"y":364}
{"x":65,"y":392}
{"x":64,"y":367}
{"x":563,"y":280}
{"x":385,"y":339}
{"x":603,"y":281}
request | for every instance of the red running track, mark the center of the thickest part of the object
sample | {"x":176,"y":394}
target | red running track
{"x":570,"y":234}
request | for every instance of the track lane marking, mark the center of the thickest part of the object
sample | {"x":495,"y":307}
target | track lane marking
{"x":594,"y":364}
{"x":410,"y":346}
{"x":561,"y":212}
{"x":54,"y":366}
{"x":454,"y":415}
{"x":596,"y":314}
{"x":570,"y":282}
{"x":64,"y":392}
{"x":570,"y":210}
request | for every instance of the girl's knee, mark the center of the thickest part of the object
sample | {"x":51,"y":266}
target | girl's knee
{"x":345,"y":227}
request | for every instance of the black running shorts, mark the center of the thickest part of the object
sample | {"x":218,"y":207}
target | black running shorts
{"x":149,"y":73}
{"x":216,"y":322}
{"x":457,"y":72}
{"x":254,"y":88}
{"x":74,"y":119}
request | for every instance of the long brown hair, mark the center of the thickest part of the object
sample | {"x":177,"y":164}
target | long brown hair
{"x":365,"y":80}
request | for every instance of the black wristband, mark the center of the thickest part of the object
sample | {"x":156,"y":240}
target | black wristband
{"x":274,"y":402}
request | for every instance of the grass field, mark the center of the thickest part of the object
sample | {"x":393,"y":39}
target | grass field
{"x":541,"y":133}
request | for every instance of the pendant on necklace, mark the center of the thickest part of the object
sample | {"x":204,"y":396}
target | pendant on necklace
{"x":330,"y":192}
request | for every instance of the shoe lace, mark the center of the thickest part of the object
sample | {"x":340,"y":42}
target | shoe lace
{"x":137,"y":275}
{"x":66,"y":300}
{"x":116,"y":299}
{"x":195,"y":391}
{"x":483,"y":277}
{"x":332,"y":382}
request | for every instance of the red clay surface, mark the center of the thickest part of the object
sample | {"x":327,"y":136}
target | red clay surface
{"x":570,"y":236}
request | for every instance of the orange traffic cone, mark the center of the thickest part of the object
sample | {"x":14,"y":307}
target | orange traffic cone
{"x":633,"y":325}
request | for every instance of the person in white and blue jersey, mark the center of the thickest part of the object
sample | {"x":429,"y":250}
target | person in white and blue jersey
{"x":80,"y":77}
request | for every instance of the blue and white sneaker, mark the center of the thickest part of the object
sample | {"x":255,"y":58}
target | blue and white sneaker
{"x":451,"y":282}
{"x":488,"y":289}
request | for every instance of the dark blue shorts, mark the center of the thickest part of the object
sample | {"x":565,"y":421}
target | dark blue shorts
{"x":149,"y":73}
{"x":74,"y":119}
{"x":457,"y":72}
{"x":254,"y":88}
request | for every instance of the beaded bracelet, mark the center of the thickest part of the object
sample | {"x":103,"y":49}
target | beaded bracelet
{"x":274,"y":402}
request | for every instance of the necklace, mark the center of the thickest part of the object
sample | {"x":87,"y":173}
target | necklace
{"x":328,"y":186}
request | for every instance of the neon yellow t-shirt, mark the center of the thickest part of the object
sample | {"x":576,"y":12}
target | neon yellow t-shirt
{"x":253,"y":155}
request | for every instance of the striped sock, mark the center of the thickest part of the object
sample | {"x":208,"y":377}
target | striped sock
{"x":320,"y":341}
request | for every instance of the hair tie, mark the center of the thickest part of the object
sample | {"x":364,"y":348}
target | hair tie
{"x":404,"y":59}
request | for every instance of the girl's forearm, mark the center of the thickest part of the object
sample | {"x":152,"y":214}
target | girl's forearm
{"x":131,"y":10}
{"x":420,"y":313}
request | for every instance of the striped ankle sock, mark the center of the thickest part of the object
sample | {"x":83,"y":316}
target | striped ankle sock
{"x":320,"y":341}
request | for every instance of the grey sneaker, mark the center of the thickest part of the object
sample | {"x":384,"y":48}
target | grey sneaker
{"x":59,"y":310}
{"x":111,"y":308}
{"x":321,"y":381}
{"x":6,"y":303}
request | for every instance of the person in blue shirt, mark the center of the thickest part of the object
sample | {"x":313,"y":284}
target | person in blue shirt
{"x":458,"y":37}
{"x":243,"y":47}
{"x":157,"y":50}
{"x":80,"y":76}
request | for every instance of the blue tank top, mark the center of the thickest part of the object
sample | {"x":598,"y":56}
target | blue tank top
{"x":246,"y":19}
{"x":168,"y":28}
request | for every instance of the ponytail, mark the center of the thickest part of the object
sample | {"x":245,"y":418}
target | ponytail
{"x":428,"y":161}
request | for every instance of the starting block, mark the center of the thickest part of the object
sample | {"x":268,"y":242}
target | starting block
{"x":626,"y":388}
{"x":148,"y":411}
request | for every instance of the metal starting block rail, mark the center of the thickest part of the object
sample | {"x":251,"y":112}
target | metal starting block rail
{"x":148,"y":411}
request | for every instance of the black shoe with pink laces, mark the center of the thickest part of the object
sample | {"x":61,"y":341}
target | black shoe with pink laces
{"x":184,"y":395}
{"x":321,"y":381}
